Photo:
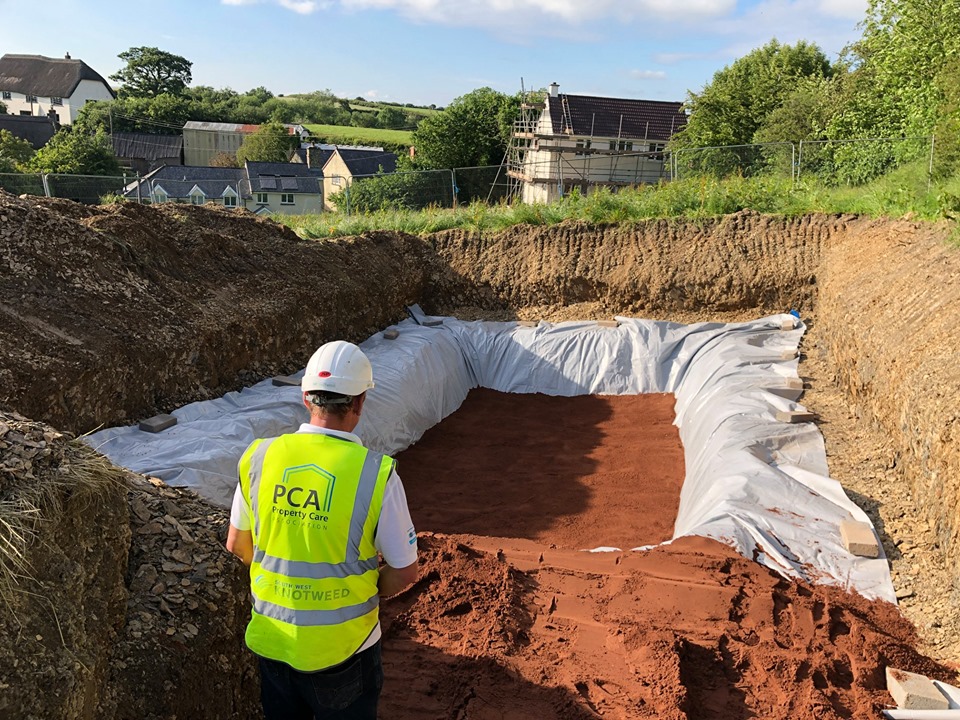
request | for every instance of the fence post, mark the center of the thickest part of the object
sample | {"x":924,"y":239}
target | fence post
{"x":347,"y":191}
{"x":453,"y":186}
{"x":793,"y":164}
{"x":799,"y":161}
{"x":933,"y":139}
{"x":46,"y":185}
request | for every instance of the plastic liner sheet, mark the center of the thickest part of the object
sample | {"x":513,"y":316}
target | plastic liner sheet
{"x":752,"y":482}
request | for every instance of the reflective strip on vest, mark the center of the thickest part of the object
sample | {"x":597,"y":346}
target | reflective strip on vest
{"x":313,"y":570}
{"x":256,"y":474}
{"x":304,"y":618}
{"x":361,"y":507}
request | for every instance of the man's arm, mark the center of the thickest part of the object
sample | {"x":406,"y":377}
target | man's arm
{"x":395,"y":580}
{"x":240,"y":543}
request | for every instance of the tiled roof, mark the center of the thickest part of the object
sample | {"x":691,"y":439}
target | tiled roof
{"x":283,"y":177}
{"x":178,"y":180}
{"x":45,"y":77}
{"x":146,"y":146}
{"x":232,"y":127}
{"x":322,"y":155}
{"x":367,"y":162}
{"x":588,"y":115}
{"x":35,"y":130}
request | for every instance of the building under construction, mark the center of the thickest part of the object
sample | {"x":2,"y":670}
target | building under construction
{"x":567,"y":141}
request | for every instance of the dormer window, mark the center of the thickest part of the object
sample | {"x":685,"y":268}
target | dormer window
{"x":56,"y":101}
{"x":160,"y":195}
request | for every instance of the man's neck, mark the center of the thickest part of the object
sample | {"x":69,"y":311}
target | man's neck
{"x":341,"y":424}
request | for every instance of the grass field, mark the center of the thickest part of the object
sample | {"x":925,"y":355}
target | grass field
{"x":348,"y":134}
{"x":426,"y":112}
{"x":902,"y":192}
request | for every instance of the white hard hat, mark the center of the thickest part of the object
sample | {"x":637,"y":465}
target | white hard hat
{"x":338,"y":367}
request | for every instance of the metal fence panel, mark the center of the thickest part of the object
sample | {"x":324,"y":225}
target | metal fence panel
{"x":22,"y":184}
{"x":771,"y":159}
{"x":90,"y":189}
{"x":860,"y":160}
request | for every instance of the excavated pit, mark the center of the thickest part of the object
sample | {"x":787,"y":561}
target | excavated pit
{"x":110,"y":314}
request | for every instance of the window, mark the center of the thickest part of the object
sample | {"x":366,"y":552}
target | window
{"x":621,"y":145}
{"x":582,"y":145}
{"x":656,"y":150}
{"x":31,"y":98}
{"x":159,"y":195}
{"x":26,"y":112}
{"x":56,"y":101}
{"x":230,"y":201}
{"x":6,"y":95}
{"x":286,"y":198}
{"x":197,"y":199}
{"x":336,"y":180}
{"x":263,"y":198}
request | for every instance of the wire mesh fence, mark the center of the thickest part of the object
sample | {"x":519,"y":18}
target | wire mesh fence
{"x":22,"y":184}
{"x":776,"y":159}
{"x":857,"y":161}
{"x":531,"y":177}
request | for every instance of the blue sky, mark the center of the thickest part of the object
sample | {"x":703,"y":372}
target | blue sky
{"x":431,"y":51}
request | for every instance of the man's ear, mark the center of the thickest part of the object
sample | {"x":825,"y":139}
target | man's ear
{"x":358,"y":403}
{"x":306,"y":403}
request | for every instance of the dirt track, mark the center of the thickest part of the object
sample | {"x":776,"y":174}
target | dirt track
{"x":110,"y":314}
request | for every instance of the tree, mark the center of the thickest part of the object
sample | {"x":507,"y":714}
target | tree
{"x":3,"y":109}
{"x":73,"y":152}
{"x":224,"y":160}
{"x":736,"y":103}
{"x":391,"y":117}
{"x":272,"y":142}
{"x":473,"y":130}
{"x":14,"y":152}
{"x":151,"y":72}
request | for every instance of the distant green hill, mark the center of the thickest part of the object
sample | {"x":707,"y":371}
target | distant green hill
{"x":349,"y":135}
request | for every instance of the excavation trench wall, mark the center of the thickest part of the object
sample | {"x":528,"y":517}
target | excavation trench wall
{"x":110,"y":314}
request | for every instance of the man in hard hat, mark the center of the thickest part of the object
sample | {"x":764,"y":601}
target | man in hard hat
{"x":312,"y":512}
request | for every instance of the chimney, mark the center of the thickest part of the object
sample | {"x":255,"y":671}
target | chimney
{"x":66,"y":56}
{"x":554,"y":89}
{"x":311,"y":156}
{"x":413,"y":152}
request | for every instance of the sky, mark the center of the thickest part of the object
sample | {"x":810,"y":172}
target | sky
{"x":432,"y":51}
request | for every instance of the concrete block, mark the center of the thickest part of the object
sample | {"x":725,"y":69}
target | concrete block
{"x":793,"y":383}
{"x":788,"y":324}
{"x":789,"y":355}
{"x":157,"y":423}
{"x":859,"y":538}
{"x":432,"y":322}
{"x":795,"y":416}
{"x":528,"y":323}
{"x":914,"y":692}
{"x":285,"y":381}
{"x":608,"y":323}
{"x":391,"y":334}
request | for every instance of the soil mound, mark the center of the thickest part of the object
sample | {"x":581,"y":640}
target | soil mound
{"x":685,"y":631}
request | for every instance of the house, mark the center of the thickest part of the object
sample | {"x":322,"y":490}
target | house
{"x":35,"y":130}
{"x":143,"y":152}
{"x":274,"y":188}
{"x":40,"y":86}
{"x":313,"y":155}
{"x":284,"y":188}
{"x":347,"y":164}
{"x":588,"y":141}
{"x":195,"y":185}
{"x":203,"y":141}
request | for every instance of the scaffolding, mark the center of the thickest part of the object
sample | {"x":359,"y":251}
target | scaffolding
{"x":553,"y":164}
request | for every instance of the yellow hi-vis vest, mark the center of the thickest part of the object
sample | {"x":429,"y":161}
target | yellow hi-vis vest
{"x":316,"y":501}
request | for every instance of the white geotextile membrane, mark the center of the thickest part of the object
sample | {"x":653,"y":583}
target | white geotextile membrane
{"x":752,"y":482}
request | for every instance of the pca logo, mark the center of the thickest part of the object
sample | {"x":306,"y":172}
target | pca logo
{"x":305,"y":486}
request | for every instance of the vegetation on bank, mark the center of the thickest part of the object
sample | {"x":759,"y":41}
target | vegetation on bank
{"x":902,"y":192}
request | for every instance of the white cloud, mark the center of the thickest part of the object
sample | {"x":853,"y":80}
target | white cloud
{"x":372,"y":94}
{"x":303,"y":7}
{"x":495,"y":12}
{"x":648,"y":74}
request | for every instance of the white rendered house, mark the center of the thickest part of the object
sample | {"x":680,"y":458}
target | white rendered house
{"x":38,"y":86}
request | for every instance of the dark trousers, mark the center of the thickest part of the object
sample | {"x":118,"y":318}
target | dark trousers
{"x":349,"y":691}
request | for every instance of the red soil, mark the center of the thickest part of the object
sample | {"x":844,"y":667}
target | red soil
{"x":517,"y":628}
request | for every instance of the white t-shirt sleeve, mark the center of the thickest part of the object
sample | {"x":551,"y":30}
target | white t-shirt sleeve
{"x":396,"y":538}
{"x":240,"y":513}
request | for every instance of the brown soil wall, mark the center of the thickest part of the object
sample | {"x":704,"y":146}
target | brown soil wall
{"x":888,"y":313}
{"x":741,"y":261}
